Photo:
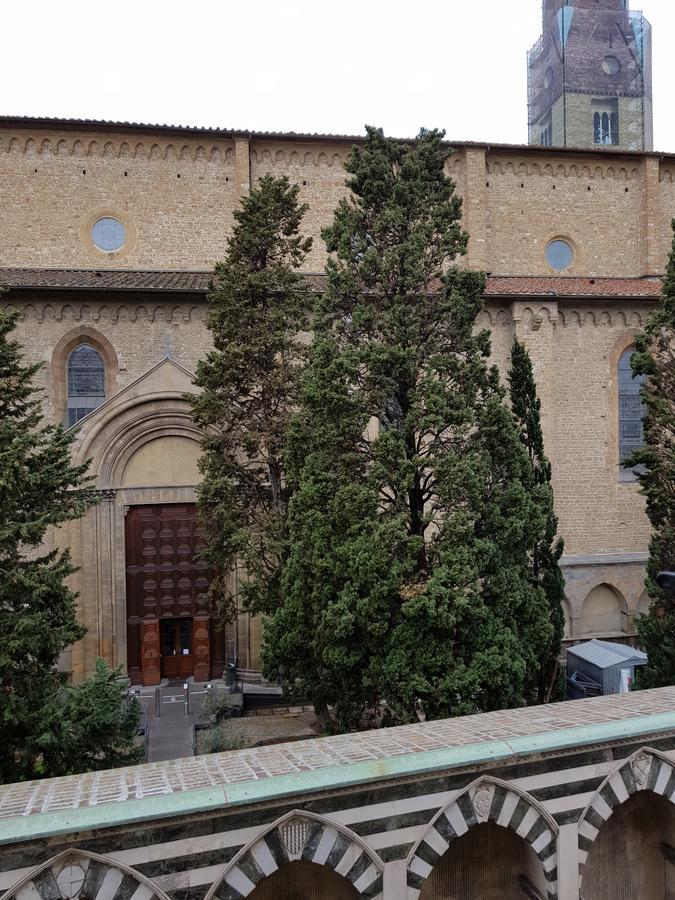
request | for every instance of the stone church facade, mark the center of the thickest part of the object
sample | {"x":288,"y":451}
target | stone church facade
{"x":108,"y":235}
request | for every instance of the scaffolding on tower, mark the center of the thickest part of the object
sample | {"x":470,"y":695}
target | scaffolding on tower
{"x":601,"y":53}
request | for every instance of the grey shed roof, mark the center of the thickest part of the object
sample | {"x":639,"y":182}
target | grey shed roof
{"x":604,"y":654}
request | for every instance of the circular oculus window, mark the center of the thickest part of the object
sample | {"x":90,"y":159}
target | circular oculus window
{"x":108,"y":234}
{"x":611,"y":65}
{"x":559,"y":255}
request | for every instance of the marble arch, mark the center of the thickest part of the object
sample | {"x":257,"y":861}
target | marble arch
{"x":79,"y":873}
{"x":645,"y":770}
{"x":486,"y":800}
{"x":307,"y":836}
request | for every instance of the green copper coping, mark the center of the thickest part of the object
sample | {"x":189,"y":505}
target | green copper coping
{"x":222,"y":797}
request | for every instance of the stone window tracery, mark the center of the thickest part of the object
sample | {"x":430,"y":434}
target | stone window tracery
{"x":631,"y":408}
{"x":606,"y":127}
{"x":86,"y":382}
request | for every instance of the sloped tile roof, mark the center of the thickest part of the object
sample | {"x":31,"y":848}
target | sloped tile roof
{"x":556,"y":286}
{"x":104,"y":125}
{"x":198,"y":282}
{"x":105,"y":279}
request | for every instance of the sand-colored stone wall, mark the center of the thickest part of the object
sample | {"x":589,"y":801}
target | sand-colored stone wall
{"x":614,"y":209}
{"x":176,"y":195}
{"x":574,"y":347}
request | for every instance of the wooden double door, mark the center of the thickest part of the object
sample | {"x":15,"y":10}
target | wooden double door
{"x":170,"y":632}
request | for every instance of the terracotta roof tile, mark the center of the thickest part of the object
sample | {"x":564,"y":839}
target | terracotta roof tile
{"x":517,"y":286}
{"x":74,"y":124}
{"x":198,"y":282}
{"x":108,"y":279}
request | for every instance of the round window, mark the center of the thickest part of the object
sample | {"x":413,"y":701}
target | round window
{"x":611,"y":65}
{"x":559,"y":255}
{"x":108,"y":234}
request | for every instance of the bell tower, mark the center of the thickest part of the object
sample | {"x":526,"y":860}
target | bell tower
{"x":590,"y":76}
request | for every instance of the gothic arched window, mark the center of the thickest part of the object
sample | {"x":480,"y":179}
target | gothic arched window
{"x":86,"y":382}
{"x":631,"y":407}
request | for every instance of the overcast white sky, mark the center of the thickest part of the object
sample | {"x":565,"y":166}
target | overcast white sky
{"x":293,"y":65}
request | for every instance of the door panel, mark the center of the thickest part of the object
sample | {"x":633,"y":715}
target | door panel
{"x":176,"y":643}
{"x":165,"y":583}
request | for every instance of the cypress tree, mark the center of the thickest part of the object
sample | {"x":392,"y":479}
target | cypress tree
{"x":546,"y":550}
{"x":39,"y":489}
{"x":655,"y":358}
{"x":415,"y":598}
{"x":257,"y":309}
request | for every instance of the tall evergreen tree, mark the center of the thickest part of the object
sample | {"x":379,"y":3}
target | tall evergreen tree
{"x":258,"y":308}
{"x":407,"y":590}
{"x":545,"y":553}
{"x":655,"y":358}
{"x":39,"y":489}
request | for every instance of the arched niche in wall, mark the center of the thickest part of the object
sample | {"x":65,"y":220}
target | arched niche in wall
{"x":644,"y":604}
{"x":169,"y":459}
{"x":602,"y":612}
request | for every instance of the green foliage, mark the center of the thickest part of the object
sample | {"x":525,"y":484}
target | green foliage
{"x":257,"y":311}
{"x":545,"y":552}
{"x":220,"y":739}
{"x":48,"y":727}
{"x":655,"y":358}
{"x":407,"y":590}
{"x":39,"y":488}
{"x":98,"y":726}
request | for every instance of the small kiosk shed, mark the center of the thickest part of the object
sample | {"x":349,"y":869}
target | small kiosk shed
{"x":601,"y":667}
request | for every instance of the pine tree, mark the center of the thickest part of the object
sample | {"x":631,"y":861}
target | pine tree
{"x":39,"y":489}
{"x":546,"y":551}
{"x":407,"y":591}
{"x":655,"y":358}
{"x":258,"y":308}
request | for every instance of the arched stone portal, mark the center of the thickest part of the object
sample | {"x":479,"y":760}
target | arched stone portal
{"x":627,"y":832}
{"x":141,"y":583}
{"x":487,"y":862}
{"x":305,"y":857}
